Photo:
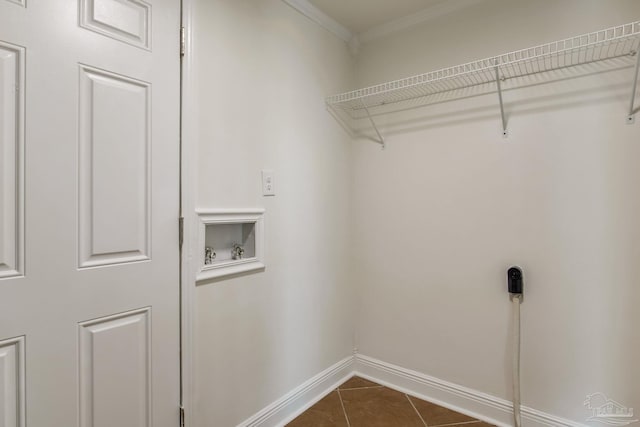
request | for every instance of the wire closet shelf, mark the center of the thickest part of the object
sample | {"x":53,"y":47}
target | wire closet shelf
{"x":607,"y":44}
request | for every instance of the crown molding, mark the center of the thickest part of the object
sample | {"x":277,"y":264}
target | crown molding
{"x":406,"y":22}
{"x":321,"y":18}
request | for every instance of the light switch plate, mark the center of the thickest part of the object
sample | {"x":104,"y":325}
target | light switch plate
{"x":268,"y":183}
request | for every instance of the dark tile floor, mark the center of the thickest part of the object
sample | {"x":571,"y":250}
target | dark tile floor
{"x":362,"y":403}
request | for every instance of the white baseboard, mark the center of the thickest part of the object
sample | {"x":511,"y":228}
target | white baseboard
{"x":294,"y":403}
{"x":471,"y":402}
{"x":476,"y":404}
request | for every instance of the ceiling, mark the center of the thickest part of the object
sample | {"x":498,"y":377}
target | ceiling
{"x":358,"y":16}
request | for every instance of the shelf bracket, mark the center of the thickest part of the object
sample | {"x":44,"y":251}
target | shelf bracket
{"x":504,"y":119}
{"x":380,"y":139}
{"x":632,"y":111}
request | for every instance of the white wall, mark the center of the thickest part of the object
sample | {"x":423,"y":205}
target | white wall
{"x":262,"y":71}
{"x":436,"y":218}
{"x":450,"y":205}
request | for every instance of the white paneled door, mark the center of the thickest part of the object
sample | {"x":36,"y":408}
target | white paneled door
{"x":89,"y":197}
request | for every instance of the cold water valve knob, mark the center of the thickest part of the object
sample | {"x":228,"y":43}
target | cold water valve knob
{"x":237,"y":252}
{"x":514,"y":280}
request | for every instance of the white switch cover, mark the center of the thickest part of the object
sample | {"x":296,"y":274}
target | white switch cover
{"x":268,"y":188}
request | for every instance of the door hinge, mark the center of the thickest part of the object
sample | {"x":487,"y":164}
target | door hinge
{"x":183,"y":42}
{"x":181,"y":416}
{"x":180,"y":231}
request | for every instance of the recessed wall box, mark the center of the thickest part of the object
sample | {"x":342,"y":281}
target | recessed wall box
{"x":230,"y":242}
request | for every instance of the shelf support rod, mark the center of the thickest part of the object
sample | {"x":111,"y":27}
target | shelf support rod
{"x":504,"y":119}
{"x":381,"y":138}
{"x":631,"y":118}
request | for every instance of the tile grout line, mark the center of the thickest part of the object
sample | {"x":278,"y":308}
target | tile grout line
{"x":415,"y":409}
{"x":344,"y":410}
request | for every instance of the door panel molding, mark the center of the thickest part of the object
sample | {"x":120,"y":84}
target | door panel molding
{"x":128,"y":21}
{"x":12,"y":89}
{"x":20,"y":2}
{"x":12,"y":382}
{"x":115,"y":370}
{"x":114,"y":171}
